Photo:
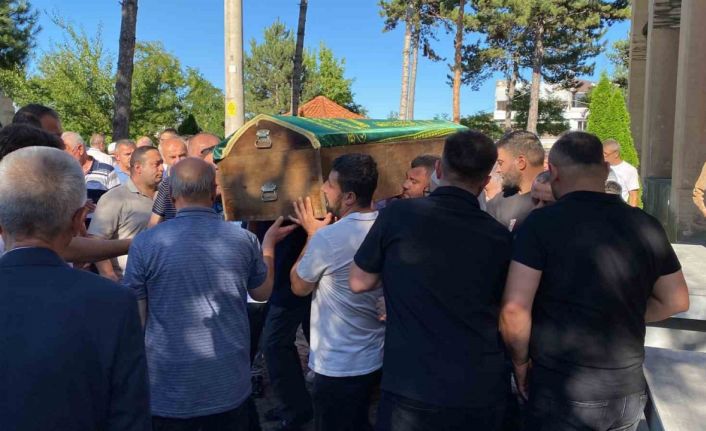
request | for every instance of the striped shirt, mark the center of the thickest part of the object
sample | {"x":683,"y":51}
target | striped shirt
{"x":194,"y":271}
{"x":101,"y":177}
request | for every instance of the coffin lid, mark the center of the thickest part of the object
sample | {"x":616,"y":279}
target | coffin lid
{"x":335,"y":132}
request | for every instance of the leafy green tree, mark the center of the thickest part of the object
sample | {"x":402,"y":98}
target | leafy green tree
{"x":619,"y":56}
{"x":559,"y":38}
{"x":18,"y":29}
{"x":75,"y":78}
{"x":205,"y":102}
{"x":269,"y":68}
{"x":551,"y":119}
{"x":157,"y":84}
{"x":608,"y":118}
{"x":483,"y":122}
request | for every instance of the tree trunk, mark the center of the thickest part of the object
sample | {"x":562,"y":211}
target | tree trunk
{"x":537,"y":60}
{"x":458,"y":58}
{"x":511,"y":86}
{"x":123,"y":82}
{"x":413,"y":76}
{"x":404,"y":93}
{"x":297,"y":72}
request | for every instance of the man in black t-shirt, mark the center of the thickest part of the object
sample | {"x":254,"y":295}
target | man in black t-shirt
{"x":520,"y":160}
{"x":443,"y":366}
{"x":587,"y":273}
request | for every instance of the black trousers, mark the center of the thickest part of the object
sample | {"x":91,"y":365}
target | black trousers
{"x":232,"y":420}
{"x":342,"y":403}
{"x":257,"y":312}
{"x":283,"y":364}
{"x":398,"y":413}
{"x":553,"y":414}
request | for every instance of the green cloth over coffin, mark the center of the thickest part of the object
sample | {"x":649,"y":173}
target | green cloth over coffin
{"x":333,"y":132}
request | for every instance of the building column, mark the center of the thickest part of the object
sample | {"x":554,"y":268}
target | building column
{"x":660,"y":97}
{"x":660,"y":88}
{"x":689,"y":153}
{"x":636,"y":73}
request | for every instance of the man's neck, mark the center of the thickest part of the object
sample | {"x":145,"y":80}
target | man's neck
{"x":57,"y":246}
{"x":528,"y":178}
{"x":616,"y":162}
{"x":584,"y":186}
{"x":86,"y":163}
{"x":355,"y":209}
{"x":472,"y":190}
{"x":148,"y":190}
{"x":181,"y":204}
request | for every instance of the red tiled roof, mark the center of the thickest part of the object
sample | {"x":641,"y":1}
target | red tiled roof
{"x":323,"y":107}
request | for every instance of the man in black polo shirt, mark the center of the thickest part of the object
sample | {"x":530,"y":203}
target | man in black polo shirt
{"x":443,"y":263}
{"x":520,"y":160}
{"x":587,"y":273}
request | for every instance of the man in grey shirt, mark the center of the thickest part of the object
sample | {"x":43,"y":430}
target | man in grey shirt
{"x":520,"y":160}
{"x":124,"y":211}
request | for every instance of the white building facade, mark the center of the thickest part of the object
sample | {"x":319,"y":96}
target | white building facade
{"x":575,"y":107}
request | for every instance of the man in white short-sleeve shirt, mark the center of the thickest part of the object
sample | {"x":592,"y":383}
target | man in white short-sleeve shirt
{"x":628,"y":178}
{"x":347,"y":335}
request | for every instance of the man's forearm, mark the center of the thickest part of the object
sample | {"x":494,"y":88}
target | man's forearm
{"x":634,"y":198}
{"x":515,"y":327}
{"x":93,"y":249}
{"x":105,"y":268}
{"x":263,"y":292}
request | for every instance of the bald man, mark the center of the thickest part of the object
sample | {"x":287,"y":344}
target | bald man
{"x":163,"y":208}
{"x":200,"y":142}
{"x":173,"y":150}
{"x":628,"y":178}
{"x":144,"y":141}
{"x":193,"y":300}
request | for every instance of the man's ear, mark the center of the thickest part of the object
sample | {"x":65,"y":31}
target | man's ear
{"x":350,"y":198}
{"x":521,"y":162}
{"x":78,"y":223}
{"x":553,"y":172}
{"x":439,"y":170}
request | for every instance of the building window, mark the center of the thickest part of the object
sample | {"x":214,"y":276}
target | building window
{"x":581,"y":125}
{"x":579,"y":101}
{"x":501,"y":105}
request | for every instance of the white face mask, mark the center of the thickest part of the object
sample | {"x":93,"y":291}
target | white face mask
{"x":433,"y":181}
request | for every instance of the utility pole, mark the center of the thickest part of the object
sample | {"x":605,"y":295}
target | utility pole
{"x":235,"y":100}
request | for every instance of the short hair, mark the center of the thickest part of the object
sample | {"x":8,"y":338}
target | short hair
{"x":41,"y":190}
{"x":95,"y":137}
{"x":74,"y":140}
{"x":176,"y":138}
{"x":577,"y":148}
{"x":16,"y":136}
{"x":142,"y":138}
{"x":524,"y":143}
{"x":127,"y":142}
{"x":611,"y":144}
{"x":357,"y":173}
{"x":613,"y":188}
{"x":427,"y":161}
{"x":138,"y":156}
{"x":193,"y":179}
{"x":32,"y":114}
{"x":469,"y":155}
{"x":168,"y":130}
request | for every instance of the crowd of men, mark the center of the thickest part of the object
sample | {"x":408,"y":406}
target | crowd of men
{"x":460,"y":304}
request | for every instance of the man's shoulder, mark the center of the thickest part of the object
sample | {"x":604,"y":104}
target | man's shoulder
{"x":86,"y":285}
{"x":102,"y":167}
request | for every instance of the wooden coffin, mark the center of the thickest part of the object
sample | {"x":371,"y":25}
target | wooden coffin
{"x":273,"y":160}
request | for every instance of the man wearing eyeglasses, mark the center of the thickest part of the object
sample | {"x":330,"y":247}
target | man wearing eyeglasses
{"x":628,"y":177}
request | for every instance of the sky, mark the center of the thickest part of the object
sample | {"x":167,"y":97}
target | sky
{"x":192,"y":30}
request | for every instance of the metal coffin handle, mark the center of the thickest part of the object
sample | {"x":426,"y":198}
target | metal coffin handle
{"x":268,"y":192}
{"x":262,"y":139}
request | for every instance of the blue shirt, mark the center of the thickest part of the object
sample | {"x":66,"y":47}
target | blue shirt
{"x":194,"y":271}
{"x":123,"y":177}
